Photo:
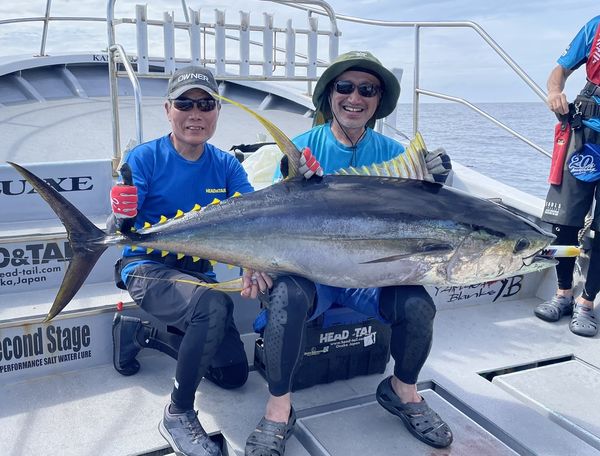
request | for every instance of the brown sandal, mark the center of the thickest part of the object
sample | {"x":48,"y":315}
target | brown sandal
{"x":418,"y":417}
{"x":269,"y":437}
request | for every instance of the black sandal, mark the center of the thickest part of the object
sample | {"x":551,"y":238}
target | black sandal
{"x":583,"y":322}
{"x":269,"y":437}
{"x":555,"y":309}
{"x":418,"y":417}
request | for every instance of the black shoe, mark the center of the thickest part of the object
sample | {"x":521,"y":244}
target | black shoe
{"x":186,"y":435}
{"x":125,"y":344}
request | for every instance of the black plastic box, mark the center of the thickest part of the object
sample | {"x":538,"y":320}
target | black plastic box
{"x":340,"y":344}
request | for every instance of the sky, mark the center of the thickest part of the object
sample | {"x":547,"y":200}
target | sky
{"x":455,"y":61}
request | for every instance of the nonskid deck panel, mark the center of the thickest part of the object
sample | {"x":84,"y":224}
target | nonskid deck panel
{"x":96,"y":411}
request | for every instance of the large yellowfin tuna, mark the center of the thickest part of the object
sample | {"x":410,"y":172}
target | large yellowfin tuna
{"x":343,"y":230}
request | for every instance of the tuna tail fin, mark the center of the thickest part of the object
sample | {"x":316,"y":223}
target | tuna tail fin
{"x":285,"y":144}
{"x":86,"y":239}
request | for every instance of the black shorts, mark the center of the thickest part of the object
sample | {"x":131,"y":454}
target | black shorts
{"x":569,"y":202}
{"x":153,"y":287}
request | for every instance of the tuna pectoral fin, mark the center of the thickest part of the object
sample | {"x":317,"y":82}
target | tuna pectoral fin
{"x":87,"y":241}
{"x":285,"y":144}
{"x":426,"y":249}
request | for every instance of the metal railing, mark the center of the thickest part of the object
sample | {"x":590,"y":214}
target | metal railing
{"x":46,"y":19}
{"x":417,"y":90}
{"x":199,"y":34}
{"x":318,"y":7}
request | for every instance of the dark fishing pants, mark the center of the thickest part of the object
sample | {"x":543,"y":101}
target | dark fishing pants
{"x":204,"y":318}
{"x":566,"y":208}
{"x":567,"y":235}
{"x":409,"y":310}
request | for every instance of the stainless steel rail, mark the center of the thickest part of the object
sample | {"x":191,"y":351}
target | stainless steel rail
{"x":46,"y":19}
{"x":417,"y":90}
{"x":323,"y":8}
{"x":117,"y":49}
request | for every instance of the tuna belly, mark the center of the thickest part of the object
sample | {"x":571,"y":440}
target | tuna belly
{"x":360,"y":269}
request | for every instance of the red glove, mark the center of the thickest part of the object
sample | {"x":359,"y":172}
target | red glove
{"x":124,"y":200}
{"x":309,"y":166}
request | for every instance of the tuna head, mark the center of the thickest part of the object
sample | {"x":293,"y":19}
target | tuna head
{"x":496,"y":250}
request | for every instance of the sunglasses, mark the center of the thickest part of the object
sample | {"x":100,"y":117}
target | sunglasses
{"x":186,"y":104}
{"x":365,"y":89}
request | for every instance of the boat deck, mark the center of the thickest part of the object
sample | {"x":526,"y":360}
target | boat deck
{"x":507,"y":382}
{"x":548,"y":409}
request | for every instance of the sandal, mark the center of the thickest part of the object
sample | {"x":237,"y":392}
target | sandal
{"x":418,"y":417}
{"x":583,"y":322}
{"x":269,"y":437}
{"x":554,"y":309}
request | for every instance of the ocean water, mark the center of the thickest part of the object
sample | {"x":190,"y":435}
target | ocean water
{"x":476,"y":142}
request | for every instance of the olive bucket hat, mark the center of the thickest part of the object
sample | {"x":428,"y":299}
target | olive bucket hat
{"x":356,"y":61}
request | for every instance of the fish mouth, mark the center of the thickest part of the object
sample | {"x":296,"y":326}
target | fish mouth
{"x":538,"y":262}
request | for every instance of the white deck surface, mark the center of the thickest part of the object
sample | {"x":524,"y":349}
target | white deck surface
{"x":99,"y":412}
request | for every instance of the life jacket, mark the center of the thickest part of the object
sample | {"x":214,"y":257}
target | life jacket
{"x":592,"y":66}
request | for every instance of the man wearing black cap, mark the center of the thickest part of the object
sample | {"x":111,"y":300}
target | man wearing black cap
{"x":352,"y":93}
{"x":178,"y":172}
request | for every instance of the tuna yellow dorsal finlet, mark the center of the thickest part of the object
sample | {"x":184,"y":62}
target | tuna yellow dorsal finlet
{"x":215,"y":201}
{"x":179,"y":214}
{"x":180,"y":256}
{"x":237,"y":195}
{"x":163,"y":219}
{"x":409,"y":165}
{"x":196,"y":207}
{"x":147,"y":225}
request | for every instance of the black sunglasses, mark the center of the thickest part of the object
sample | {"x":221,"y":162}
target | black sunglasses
{"x":365,"y":89}
{"x":186,"y":104}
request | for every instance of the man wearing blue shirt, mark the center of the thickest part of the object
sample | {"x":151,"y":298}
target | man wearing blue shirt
{"x":568,"y":203}
{"x":181,"y":172}
{"x":352,"y":93}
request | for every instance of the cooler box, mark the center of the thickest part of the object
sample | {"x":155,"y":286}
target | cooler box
{"x":340,"y":344}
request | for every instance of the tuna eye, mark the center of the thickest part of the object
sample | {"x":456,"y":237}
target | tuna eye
{"x":521,"y":245}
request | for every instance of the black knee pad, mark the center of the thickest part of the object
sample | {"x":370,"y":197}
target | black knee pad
{"x":294,"y":294}
{"x":213,"y":305}
{"x":228,"y":377}
{"x":409,"y":303}
{"x":289,"y":304}
{"x":420,"y":312}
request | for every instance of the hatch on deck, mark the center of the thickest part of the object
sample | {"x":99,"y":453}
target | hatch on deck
{"x":565,"y":392}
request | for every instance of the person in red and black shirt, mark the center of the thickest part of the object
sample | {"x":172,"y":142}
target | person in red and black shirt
{"x":568,"y":202}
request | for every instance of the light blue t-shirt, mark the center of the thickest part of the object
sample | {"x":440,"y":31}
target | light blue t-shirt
{"x":167,"y":182}
{"x":577,"y":54}
{"x":333,"y":155}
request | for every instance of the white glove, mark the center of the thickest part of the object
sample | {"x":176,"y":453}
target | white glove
{"x":309,"y":165}
{"x":438,"y":164}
